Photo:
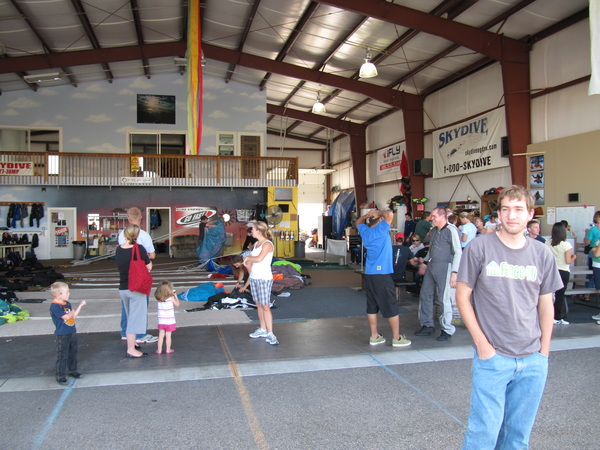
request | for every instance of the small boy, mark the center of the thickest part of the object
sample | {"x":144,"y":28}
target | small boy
{"x":63,"y":317}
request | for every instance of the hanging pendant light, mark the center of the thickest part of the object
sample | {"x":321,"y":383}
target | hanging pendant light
{"x":318,"y":107}
{"x":368,"y":69}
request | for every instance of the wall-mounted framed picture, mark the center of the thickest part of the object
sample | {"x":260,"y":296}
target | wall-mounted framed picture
{"x":539,"y":196}
{"x":156,"y":108}
{"x":536,"y":180}
{"x":536,"y":163}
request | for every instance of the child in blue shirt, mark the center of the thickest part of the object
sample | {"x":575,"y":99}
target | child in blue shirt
{"x":63,"y":317}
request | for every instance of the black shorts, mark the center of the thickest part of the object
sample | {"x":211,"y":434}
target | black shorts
{"x":381,"y":295}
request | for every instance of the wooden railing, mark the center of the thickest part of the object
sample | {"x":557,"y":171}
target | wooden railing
{"x":85,"y":169}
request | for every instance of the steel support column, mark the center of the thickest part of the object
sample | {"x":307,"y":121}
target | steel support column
{"x":413,"y":131}
{"x":515,"y":80}
{"x":358,"y":150}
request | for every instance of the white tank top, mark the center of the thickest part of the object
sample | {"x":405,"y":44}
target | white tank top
{"x":262,"y":270}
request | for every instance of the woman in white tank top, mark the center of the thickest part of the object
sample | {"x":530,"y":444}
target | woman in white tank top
{"x":258,"y":264}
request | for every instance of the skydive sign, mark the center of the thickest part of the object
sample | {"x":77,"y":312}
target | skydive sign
{"x":16,"y":168}
{"x":469,"y":147}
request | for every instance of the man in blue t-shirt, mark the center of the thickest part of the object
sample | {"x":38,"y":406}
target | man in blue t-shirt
{"x":374,"y":229}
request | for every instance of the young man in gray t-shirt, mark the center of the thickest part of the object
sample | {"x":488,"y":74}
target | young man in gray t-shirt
{"x":505,"y":296}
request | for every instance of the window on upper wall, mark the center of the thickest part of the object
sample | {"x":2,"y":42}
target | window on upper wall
{"x":33,"y":140}
{"x":144,"y":143}
{"x":158,"y":143}
{"x":30,"y":140}
{"x":226,"y":143}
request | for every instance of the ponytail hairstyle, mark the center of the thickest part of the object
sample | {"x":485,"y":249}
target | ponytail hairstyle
{"x":263,"y":229}
{"x":131,"y":233}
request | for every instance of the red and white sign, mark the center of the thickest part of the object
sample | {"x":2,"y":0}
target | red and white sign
{"x":16,"y":168}
{"x":389,"y":159}
{"x":189,"y":216}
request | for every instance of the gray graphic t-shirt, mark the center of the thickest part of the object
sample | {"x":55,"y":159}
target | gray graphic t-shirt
{"x":506,"y":287}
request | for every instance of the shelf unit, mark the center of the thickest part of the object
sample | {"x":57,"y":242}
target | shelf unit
{"x":485,"y":204}
{"x":103,"y":229}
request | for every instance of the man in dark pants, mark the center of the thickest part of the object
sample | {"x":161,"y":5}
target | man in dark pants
{"x":439,"y":275}
{"x":379,"y":286}
{"x":400,"y":256}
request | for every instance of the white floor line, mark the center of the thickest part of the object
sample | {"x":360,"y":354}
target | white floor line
{"x":249,"y":369}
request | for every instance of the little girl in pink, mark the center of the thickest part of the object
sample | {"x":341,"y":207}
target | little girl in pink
{"x":166,"y":301}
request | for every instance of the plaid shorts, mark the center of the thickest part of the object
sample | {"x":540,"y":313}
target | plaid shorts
{"x":261,"y":291}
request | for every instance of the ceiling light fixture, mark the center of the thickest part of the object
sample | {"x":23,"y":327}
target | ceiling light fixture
{"x":318,"y":107}
{"x":368,"y":69}
{"x":41,"y":77}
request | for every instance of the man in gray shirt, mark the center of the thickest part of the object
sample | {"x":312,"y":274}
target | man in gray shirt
{"x":504,"y":295}
{"x":439,"y":275}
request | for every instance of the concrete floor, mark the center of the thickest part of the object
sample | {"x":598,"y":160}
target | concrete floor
{"x":323,"y":386}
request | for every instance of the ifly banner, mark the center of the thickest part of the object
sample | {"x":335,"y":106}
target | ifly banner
{"x":469,"y":147}
{"x":390,"y":158}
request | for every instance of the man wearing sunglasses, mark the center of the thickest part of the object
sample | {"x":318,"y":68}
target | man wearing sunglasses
{"x":415,"y":245}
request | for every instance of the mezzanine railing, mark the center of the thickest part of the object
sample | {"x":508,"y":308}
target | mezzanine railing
{"x":85,"y":169}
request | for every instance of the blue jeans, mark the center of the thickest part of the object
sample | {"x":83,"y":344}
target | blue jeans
{"x":505,"y":397}
{"x":124,"y":321}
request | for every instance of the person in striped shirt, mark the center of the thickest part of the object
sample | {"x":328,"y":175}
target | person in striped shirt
{"x":166,"y":298}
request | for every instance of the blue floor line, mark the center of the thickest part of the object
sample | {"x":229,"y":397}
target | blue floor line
{"x":419,"y":391}
{"x":52,"y":418}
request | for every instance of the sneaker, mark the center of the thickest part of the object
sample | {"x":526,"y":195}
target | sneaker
{"x":272,"y":339}
{"x":596,"y":317}
{"x":63,"y":381}
{"x":457,"y":322}
{"x":598,"y":322}
{"x":443,"y":336}
{"x":561,"y":322}
{"x":123,"y":338}
{"x":402,"y":342}
{"x":75,"y":375}
{"x":376,"y":341}
{"x":425,"y":331}
{"x":259,"y":333}
{"x":148,"y":339}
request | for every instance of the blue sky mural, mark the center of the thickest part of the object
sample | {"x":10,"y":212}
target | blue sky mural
{"x":97,"y":117}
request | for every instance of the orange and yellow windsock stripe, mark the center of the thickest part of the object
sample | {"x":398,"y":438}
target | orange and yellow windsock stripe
{"x":194,"y":77}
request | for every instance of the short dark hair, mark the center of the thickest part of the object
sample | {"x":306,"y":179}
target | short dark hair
{"x":236,"y":259}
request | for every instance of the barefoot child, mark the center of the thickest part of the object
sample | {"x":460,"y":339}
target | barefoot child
{"x":166,"y":300}
{"x":63,"y":317}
